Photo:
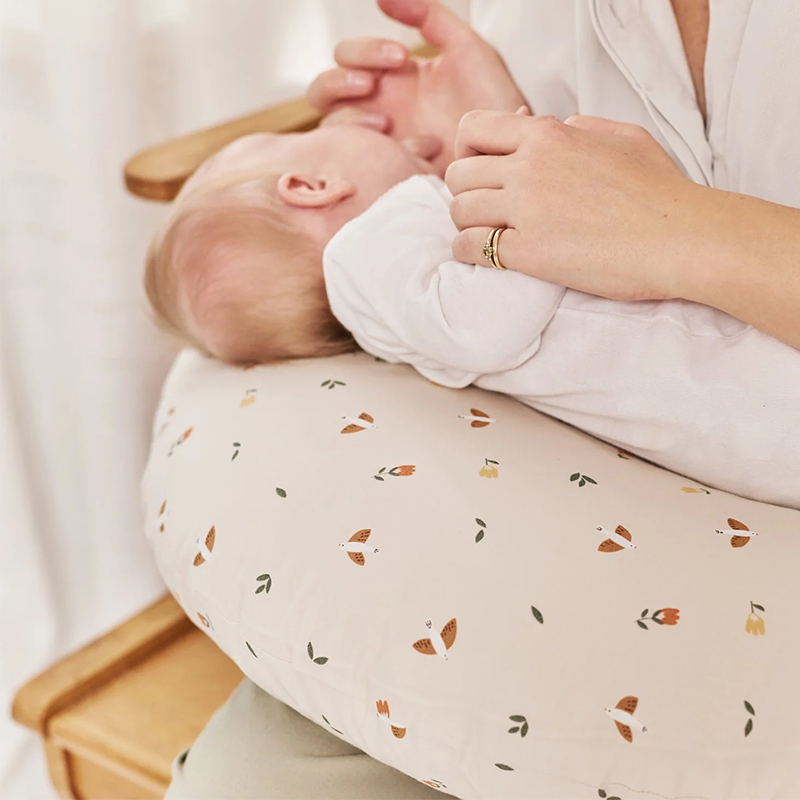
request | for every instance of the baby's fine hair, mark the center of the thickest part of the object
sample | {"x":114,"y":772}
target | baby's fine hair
{"x":234,"y":278}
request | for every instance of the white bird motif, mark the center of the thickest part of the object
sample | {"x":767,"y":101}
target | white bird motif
{"x":206,"y":547}
{"x":622,"y":715}
{"x":478,"y":418}
{"x":739,"y":532}
{"x":437,"y":644}
{"x":364,"y":422}
{"x":618,"y":539}
{"x":398,"y":731}
{"x":356,"y":546}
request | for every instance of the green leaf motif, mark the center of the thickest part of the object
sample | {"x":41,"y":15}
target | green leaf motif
{"x":479,"y":536}
{"x":324,"y":383}
{"x":237,"y":444}
{"x":235,"y":453}
{"x":760,"y":608}
{"x":581,"y":482}
{"x":310,"y":650}
{"x":601,"y":793}
{"x":321,"y":660}
{"x":381,"y":470}
{"x":748,"y":728}
{"x":326,"y":719}
{"x":574,"y":476}
{"x":480,"y":522}
{"x":642,"y":625}
{"x":251,"y":649}
{"x":750,"y":709}
{"x":517,"y":718}
{"x":524,"y":732}
{"x":590,"y":480}
{"x":537,"y":615}
{"x":378,"y":478}
{"x":513,"y":730}
{"x":505,"y":767}
{"x":613,"y":797}
{"x":340,"y":383}
{"x":260,"y":589}
{"x":658,"y":620}
{"x":280,"y":492}
{"x":645,"y":613}
{"x":262,"y":577}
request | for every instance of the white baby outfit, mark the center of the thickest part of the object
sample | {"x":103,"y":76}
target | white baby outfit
{"x":681,"y":384}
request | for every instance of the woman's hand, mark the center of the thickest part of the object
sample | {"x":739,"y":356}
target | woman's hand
{"x":589,"y":204}
{"x":378,"y":84}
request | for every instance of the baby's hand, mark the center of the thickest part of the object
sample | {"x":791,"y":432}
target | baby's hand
{"x":412,"y":97}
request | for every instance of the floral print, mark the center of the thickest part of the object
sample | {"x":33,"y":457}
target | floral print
{"x":489,"y":469}
{"x":417,"y":547}
{"x":662,"y":616}
{"x":402,"y":471}
{"x":755,"y":622}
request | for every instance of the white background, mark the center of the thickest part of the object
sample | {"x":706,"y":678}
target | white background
{"x":86,"y":83}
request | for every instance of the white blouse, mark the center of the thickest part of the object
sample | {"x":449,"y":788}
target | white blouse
{"x":624,"y":60}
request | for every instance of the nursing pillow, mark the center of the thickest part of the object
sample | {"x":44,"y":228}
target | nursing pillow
{"x":474,"y":593}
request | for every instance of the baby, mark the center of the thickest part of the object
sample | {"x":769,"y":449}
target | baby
{"x":302,"y":245}
{"x":237,"y":270}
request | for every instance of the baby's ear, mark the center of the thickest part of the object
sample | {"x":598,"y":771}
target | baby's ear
{"x":313,"y":191}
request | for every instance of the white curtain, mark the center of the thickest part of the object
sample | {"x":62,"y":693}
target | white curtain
{"x":83,"y":85}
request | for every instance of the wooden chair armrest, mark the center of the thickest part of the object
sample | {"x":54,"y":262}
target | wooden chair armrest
{"x":97,"y":663}
{"x":157,"y":173}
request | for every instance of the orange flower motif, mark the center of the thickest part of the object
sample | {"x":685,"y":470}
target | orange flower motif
{"x":383,"y":707}
{"x":670,"y":616}
{"x":405,"y":469}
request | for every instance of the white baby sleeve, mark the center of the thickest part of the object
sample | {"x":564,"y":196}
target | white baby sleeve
{"x":392,"y":281}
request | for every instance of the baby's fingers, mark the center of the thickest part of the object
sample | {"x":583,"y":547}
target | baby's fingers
{"x":370,"y":53}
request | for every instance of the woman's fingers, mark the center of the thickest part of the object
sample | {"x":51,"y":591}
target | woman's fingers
{"x":352,"y":115}
{"x":468,"y":247}
{"x":370,"y":53}
{"x":495,"y":132}
{"x":340,"y":84}
{"x":479,"y":207}
{"x":478,"y":172}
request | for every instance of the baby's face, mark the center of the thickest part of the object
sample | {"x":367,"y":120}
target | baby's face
{"x":372,"y":162}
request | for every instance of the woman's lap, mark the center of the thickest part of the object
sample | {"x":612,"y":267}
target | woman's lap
{"x":257,"y":747}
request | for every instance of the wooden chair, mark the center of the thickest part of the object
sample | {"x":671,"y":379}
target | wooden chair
{"x":113,"y":715}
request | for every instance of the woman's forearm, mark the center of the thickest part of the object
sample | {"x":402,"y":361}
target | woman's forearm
{"x":751,"y":265}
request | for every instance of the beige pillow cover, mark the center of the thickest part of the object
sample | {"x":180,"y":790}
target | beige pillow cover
{"x":476,"y":594}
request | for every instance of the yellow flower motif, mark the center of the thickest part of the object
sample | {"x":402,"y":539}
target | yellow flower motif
{"x":489,"y":469}
{"x":755,"y":624}
{"x":248,"y":399}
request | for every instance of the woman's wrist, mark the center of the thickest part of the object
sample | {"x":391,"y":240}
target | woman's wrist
{"x":747,"y":262}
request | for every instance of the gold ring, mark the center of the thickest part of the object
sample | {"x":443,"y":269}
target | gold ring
{"x":490,"y":248}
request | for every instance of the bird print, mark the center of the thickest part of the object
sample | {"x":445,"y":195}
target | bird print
{"x":478,"y":418}
{"x":619,"y":539}
{"x":398,"y":731}
{"x":206,"y":547}
{"x":162,"y":517}
{"x":437,"y":644}
{"x":362,"y":423}
{"x":739,"y":532}
{"x":356,"y":546}
{"x":624,"y":719}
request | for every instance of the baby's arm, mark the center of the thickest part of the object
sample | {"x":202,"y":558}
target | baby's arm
{"x":393,"y":283}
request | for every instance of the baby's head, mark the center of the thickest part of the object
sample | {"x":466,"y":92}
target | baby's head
{"x":237,"y":270}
